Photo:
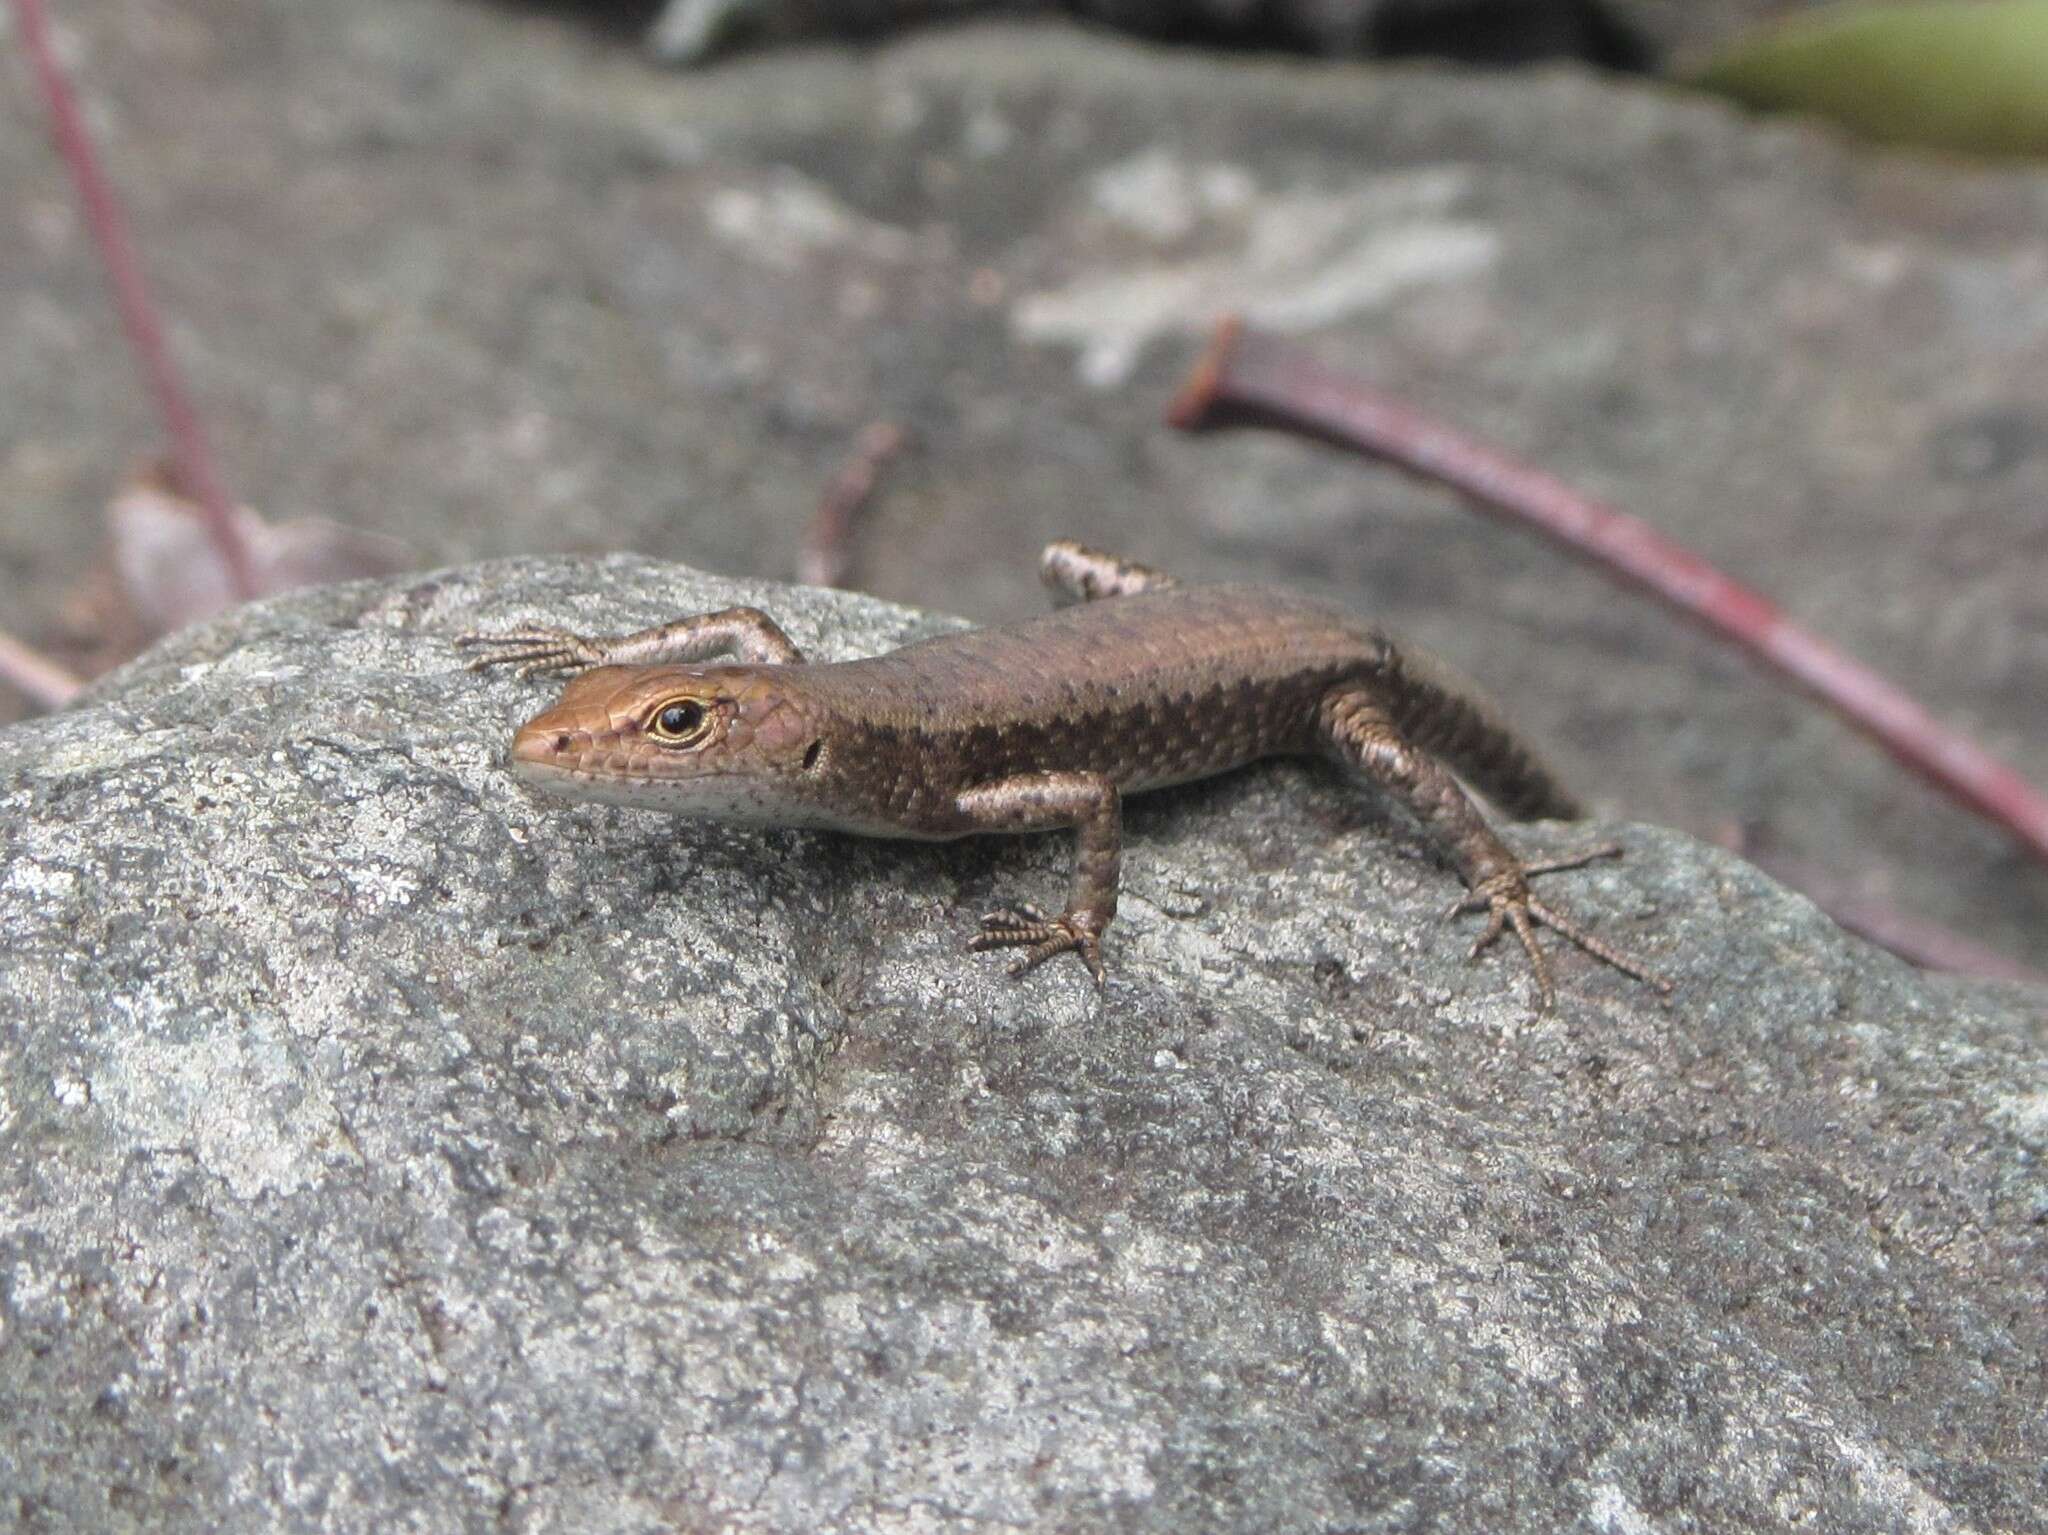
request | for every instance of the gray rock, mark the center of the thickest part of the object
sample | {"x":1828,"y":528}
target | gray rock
{"x":384,"y":1149}
{"x":468,"y":276}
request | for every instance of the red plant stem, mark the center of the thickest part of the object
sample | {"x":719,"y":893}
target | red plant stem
{"x":1246,"y":379}
{"x":36,"y":675}
{"x":1926,"y":945}
{"x":139,"y":317}
{"x":828,"y":548}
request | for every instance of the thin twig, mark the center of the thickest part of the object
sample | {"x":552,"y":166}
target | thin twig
{"x":1927,"y":945}
{"x":35,"y":674}
{"x":1247,"y":379}
{"x":827,"y":554}
{"x":139,"y":316}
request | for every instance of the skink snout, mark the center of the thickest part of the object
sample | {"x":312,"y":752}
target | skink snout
{"x":542,"y":743}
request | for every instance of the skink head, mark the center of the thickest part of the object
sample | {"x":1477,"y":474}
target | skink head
{"x":735,"y":743}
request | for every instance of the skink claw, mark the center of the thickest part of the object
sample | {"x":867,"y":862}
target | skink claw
{"x":533,"y":652}
{"x":1508,"y":903}
{"x":1041,"y":937}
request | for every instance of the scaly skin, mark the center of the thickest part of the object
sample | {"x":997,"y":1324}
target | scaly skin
{"x":1038,"y":725}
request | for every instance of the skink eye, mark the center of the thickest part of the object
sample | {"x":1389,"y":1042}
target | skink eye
{"x":679,"y":723}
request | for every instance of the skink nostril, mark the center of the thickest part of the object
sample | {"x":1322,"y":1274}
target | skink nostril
{"x":564,"y":741}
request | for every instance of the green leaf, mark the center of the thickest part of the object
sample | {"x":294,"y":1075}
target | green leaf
{"x":1950,"y":74}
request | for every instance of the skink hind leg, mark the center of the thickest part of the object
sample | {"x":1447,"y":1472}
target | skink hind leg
{"x":1360,"y":735}
{"x":1075,"y":573}
{"x":1089,"y":803}
{"x":745,"y":633}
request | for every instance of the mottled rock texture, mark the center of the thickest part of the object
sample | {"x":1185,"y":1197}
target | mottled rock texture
{"x":385,"y":1149}
{"x":486,"y":280}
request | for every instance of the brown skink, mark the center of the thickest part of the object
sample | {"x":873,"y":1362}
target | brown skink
{"x":1041,"y":725}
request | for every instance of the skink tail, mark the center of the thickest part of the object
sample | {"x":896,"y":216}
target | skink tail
{"x":1441,"y":712}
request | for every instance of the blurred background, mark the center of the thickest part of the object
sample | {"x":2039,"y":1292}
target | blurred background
{"x":489,"y":278}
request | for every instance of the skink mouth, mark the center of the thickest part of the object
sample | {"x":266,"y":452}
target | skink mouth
{"x":570,"y":761}
{"x":540,"y":749}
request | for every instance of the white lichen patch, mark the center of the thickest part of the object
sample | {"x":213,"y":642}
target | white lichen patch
{"x":1164,"y":198}
{"x":71,"y":1092}
{"x":1288,"y":260}
{"x":787,"y":219}
{"x":1026,"y":1231}
{"x":1613,"y":1512}
{"x":2025,"y":1115}
{"x":38,"y":881}
{"x":234,"y":1098}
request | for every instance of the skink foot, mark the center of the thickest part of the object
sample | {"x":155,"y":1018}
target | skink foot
{"x":533,"y":652}
{"x":1041,"y":937}
{"x":1509,"y":903}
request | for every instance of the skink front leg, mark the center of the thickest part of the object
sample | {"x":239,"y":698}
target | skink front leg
{"x":1089,"y":803}
{"x":747,"y":634}
{"x":1073,"y":572}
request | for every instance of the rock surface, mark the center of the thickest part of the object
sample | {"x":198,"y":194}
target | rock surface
{"x":385,"y":1149}
{"x":484,"y":280}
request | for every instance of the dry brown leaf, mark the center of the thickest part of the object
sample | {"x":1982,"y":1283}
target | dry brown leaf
{"x":173,"y":573}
